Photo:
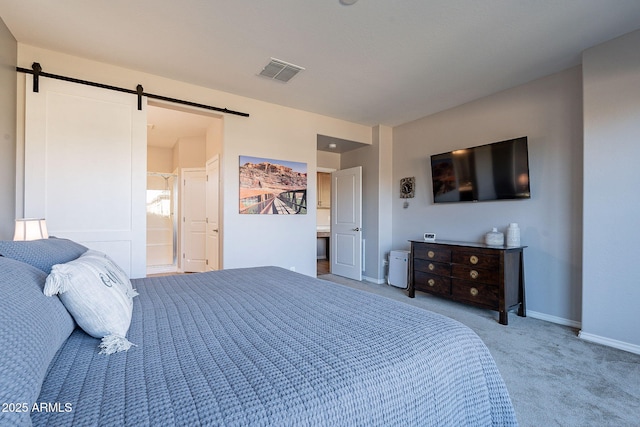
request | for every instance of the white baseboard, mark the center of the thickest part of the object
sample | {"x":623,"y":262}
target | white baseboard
{"x":620,"y":345}
{"x":372,"y":280}
{"x":554,"y":319}
{"x":161,"y":269}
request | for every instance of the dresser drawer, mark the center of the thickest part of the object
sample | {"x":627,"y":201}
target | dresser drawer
{"x":475,"y":274}
{"x":433,"y":267}
{"x":477,"y":259}
{"x":477,"y":293}
{"x":431,"y":283}
{"x":431,"y":253}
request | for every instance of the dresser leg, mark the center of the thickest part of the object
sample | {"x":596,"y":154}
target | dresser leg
{"x":522,"y":310}
{"x":504,"y":318}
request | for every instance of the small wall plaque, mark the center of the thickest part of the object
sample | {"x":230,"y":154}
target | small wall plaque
{"x":407,"y":187}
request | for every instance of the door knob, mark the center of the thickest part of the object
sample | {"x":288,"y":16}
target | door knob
{"x":357,"y":229}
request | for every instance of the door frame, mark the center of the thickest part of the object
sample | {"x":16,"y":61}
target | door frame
{"x":326,"y":241}
{"x":212,"y":227}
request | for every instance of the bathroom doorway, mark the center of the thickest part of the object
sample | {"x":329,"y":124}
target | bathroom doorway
{"x":178,"y":139}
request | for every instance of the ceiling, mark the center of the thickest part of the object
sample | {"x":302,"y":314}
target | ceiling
{"x":375,"y":62}
{"x":165,"y":126}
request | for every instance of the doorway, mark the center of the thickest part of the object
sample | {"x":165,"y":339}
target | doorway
{"x":323,"y":221}
{"x":179,"y":139}
{"x":329,"y":159}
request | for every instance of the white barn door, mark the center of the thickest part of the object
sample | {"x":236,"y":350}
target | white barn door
{"x":85,"y":168}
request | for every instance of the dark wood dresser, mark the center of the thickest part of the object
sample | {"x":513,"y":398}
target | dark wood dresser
{"x":472,"y":273}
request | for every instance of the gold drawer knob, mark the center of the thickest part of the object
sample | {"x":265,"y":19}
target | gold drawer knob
{"x":431,"y":267}
{"x":431,"y":282}
{"x":473,"y":292}
{"x":473,"y":274}
{"x":473,"y":259}
{"x":431,"y":254}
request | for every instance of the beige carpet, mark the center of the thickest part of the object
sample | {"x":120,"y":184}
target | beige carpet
{"x":554,"y":378}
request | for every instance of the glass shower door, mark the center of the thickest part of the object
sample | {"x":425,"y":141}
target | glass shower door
{"x":161,"y":223}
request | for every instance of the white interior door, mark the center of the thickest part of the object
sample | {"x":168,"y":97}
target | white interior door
{"x":213,"y":214}
{"x":346,"y":223}
{"x":194,"y":193}
{"x":85,"y":167}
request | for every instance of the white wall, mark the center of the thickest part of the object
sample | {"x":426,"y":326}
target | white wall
{"x":549,"y":112}
{"x":8,"y":61}
{"x":271,"y":131}
{"x":611,"y":278}
{"x":376,"y":199}
{"x":160,"y":159}
{"x":287,"y":241}
{"x":190,"y":152}
{"x":214,"y":137}
{"x":328,"y":160}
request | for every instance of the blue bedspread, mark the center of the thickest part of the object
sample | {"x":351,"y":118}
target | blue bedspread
{"x":269,"y":347}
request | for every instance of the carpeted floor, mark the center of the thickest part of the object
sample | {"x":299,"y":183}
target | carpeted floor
{"x":554,"y":378}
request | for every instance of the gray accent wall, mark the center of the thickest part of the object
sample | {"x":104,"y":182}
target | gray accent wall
{"x":612,"y":193}
{"x":8,"y":62}
{"x":549,"y":112}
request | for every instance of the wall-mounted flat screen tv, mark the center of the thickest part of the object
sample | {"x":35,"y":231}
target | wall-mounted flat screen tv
{"x":498,"y":171}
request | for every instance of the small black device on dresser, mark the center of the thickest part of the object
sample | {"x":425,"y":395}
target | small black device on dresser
{"x":473,"y":273}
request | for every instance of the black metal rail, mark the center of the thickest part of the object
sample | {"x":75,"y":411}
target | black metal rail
{"x":36,"y":71}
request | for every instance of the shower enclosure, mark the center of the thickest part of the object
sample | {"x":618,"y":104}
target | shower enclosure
{"x":162,"y":224}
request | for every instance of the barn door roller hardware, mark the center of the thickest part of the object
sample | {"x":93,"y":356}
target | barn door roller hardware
{"x":36,"y":70}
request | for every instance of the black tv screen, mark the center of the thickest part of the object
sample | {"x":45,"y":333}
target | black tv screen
{"x":498,"y":171}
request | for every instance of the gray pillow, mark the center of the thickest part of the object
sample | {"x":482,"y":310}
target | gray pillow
{"x":42,"y":254}
{"x":32,"y":329}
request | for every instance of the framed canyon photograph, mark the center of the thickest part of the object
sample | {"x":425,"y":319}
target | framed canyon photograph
{"x":272,"y":187}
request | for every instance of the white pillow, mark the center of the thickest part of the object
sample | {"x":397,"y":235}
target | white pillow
{"x":118,"y":275}
{"x":98,"y":294}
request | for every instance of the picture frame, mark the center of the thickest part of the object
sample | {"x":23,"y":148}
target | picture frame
{"x":272,"y":187}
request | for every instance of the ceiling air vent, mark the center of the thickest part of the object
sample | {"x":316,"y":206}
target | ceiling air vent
{"x":280,"y":70}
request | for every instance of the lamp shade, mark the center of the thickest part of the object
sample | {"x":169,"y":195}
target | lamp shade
{"x":31,"y":229}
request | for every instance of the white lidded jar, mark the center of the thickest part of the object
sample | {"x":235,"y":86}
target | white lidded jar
{"x":494,"y":238}
{"x":513,"y":234}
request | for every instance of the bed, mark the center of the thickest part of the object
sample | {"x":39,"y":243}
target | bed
{"x":259,"y":346}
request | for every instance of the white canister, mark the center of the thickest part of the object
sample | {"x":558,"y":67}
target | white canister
{"x":513,"y":234}
{"x":494,"y":238}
